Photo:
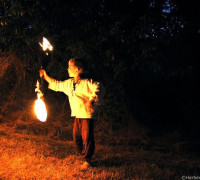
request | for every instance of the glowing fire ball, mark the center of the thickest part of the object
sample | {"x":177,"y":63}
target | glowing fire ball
{"x":40,"y":110}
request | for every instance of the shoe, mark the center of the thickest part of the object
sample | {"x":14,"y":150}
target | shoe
{"x":85,"y":166}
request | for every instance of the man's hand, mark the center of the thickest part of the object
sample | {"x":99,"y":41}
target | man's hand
{"x":42,"y":73}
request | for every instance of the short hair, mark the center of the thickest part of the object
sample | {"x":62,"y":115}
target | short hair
{"x":78,"y":62}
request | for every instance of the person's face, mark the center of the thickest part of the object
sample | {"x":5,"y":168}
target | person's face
{"x":73,"y":70}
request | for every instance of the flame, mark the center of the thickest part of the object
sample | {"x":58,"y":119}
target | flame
{"x":40,"y":108}
{"x":46,"y":45}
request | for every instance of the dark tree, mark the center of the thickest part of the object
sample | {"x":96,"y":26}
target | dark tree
{"x":144,"y":51}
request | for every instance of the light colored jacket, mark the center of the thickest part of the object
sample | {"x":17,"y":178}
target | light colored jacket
{"x":85,"y":90}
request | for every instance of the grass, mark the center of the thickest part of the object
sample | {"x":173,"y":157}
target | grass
{"x":33,"y":150}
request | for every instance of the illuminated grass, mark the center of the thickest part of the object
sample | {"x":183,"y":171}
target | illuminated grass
{"x":33,"y":150}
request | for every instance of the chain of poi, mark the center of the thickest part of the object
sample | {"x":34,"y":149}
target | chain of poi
{"x":40,"y":107}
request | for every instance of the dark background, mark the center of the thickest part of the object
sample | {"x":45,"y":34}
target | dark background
{"x":145,"y":52}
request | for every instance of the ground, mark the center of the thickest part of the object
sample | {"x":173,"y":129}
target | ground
{"x":34,"y":150}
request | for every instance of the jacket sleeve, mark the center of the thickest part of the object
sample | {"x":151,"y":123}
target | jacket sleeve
{"x":61,"y":86}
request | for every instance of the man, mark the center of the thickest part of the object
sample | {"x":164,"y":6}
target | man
{"x":84,"y":97}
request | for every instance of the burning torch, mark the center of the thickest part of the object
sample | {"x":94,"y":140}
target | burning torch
{"x":46,"y":45}
{"x":40,"y":107}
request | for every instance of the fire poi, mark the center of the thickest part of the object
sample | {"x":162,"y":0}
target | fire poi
{"x":46,"y":45}
{"x":40,"y":107}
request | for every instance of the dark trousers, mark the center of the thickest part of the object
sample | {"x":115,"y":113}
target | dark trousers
{"x":83,"y":135}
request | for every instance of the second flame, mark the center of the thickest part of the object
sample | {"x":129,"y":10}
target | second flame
{"x":40,"y":107}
